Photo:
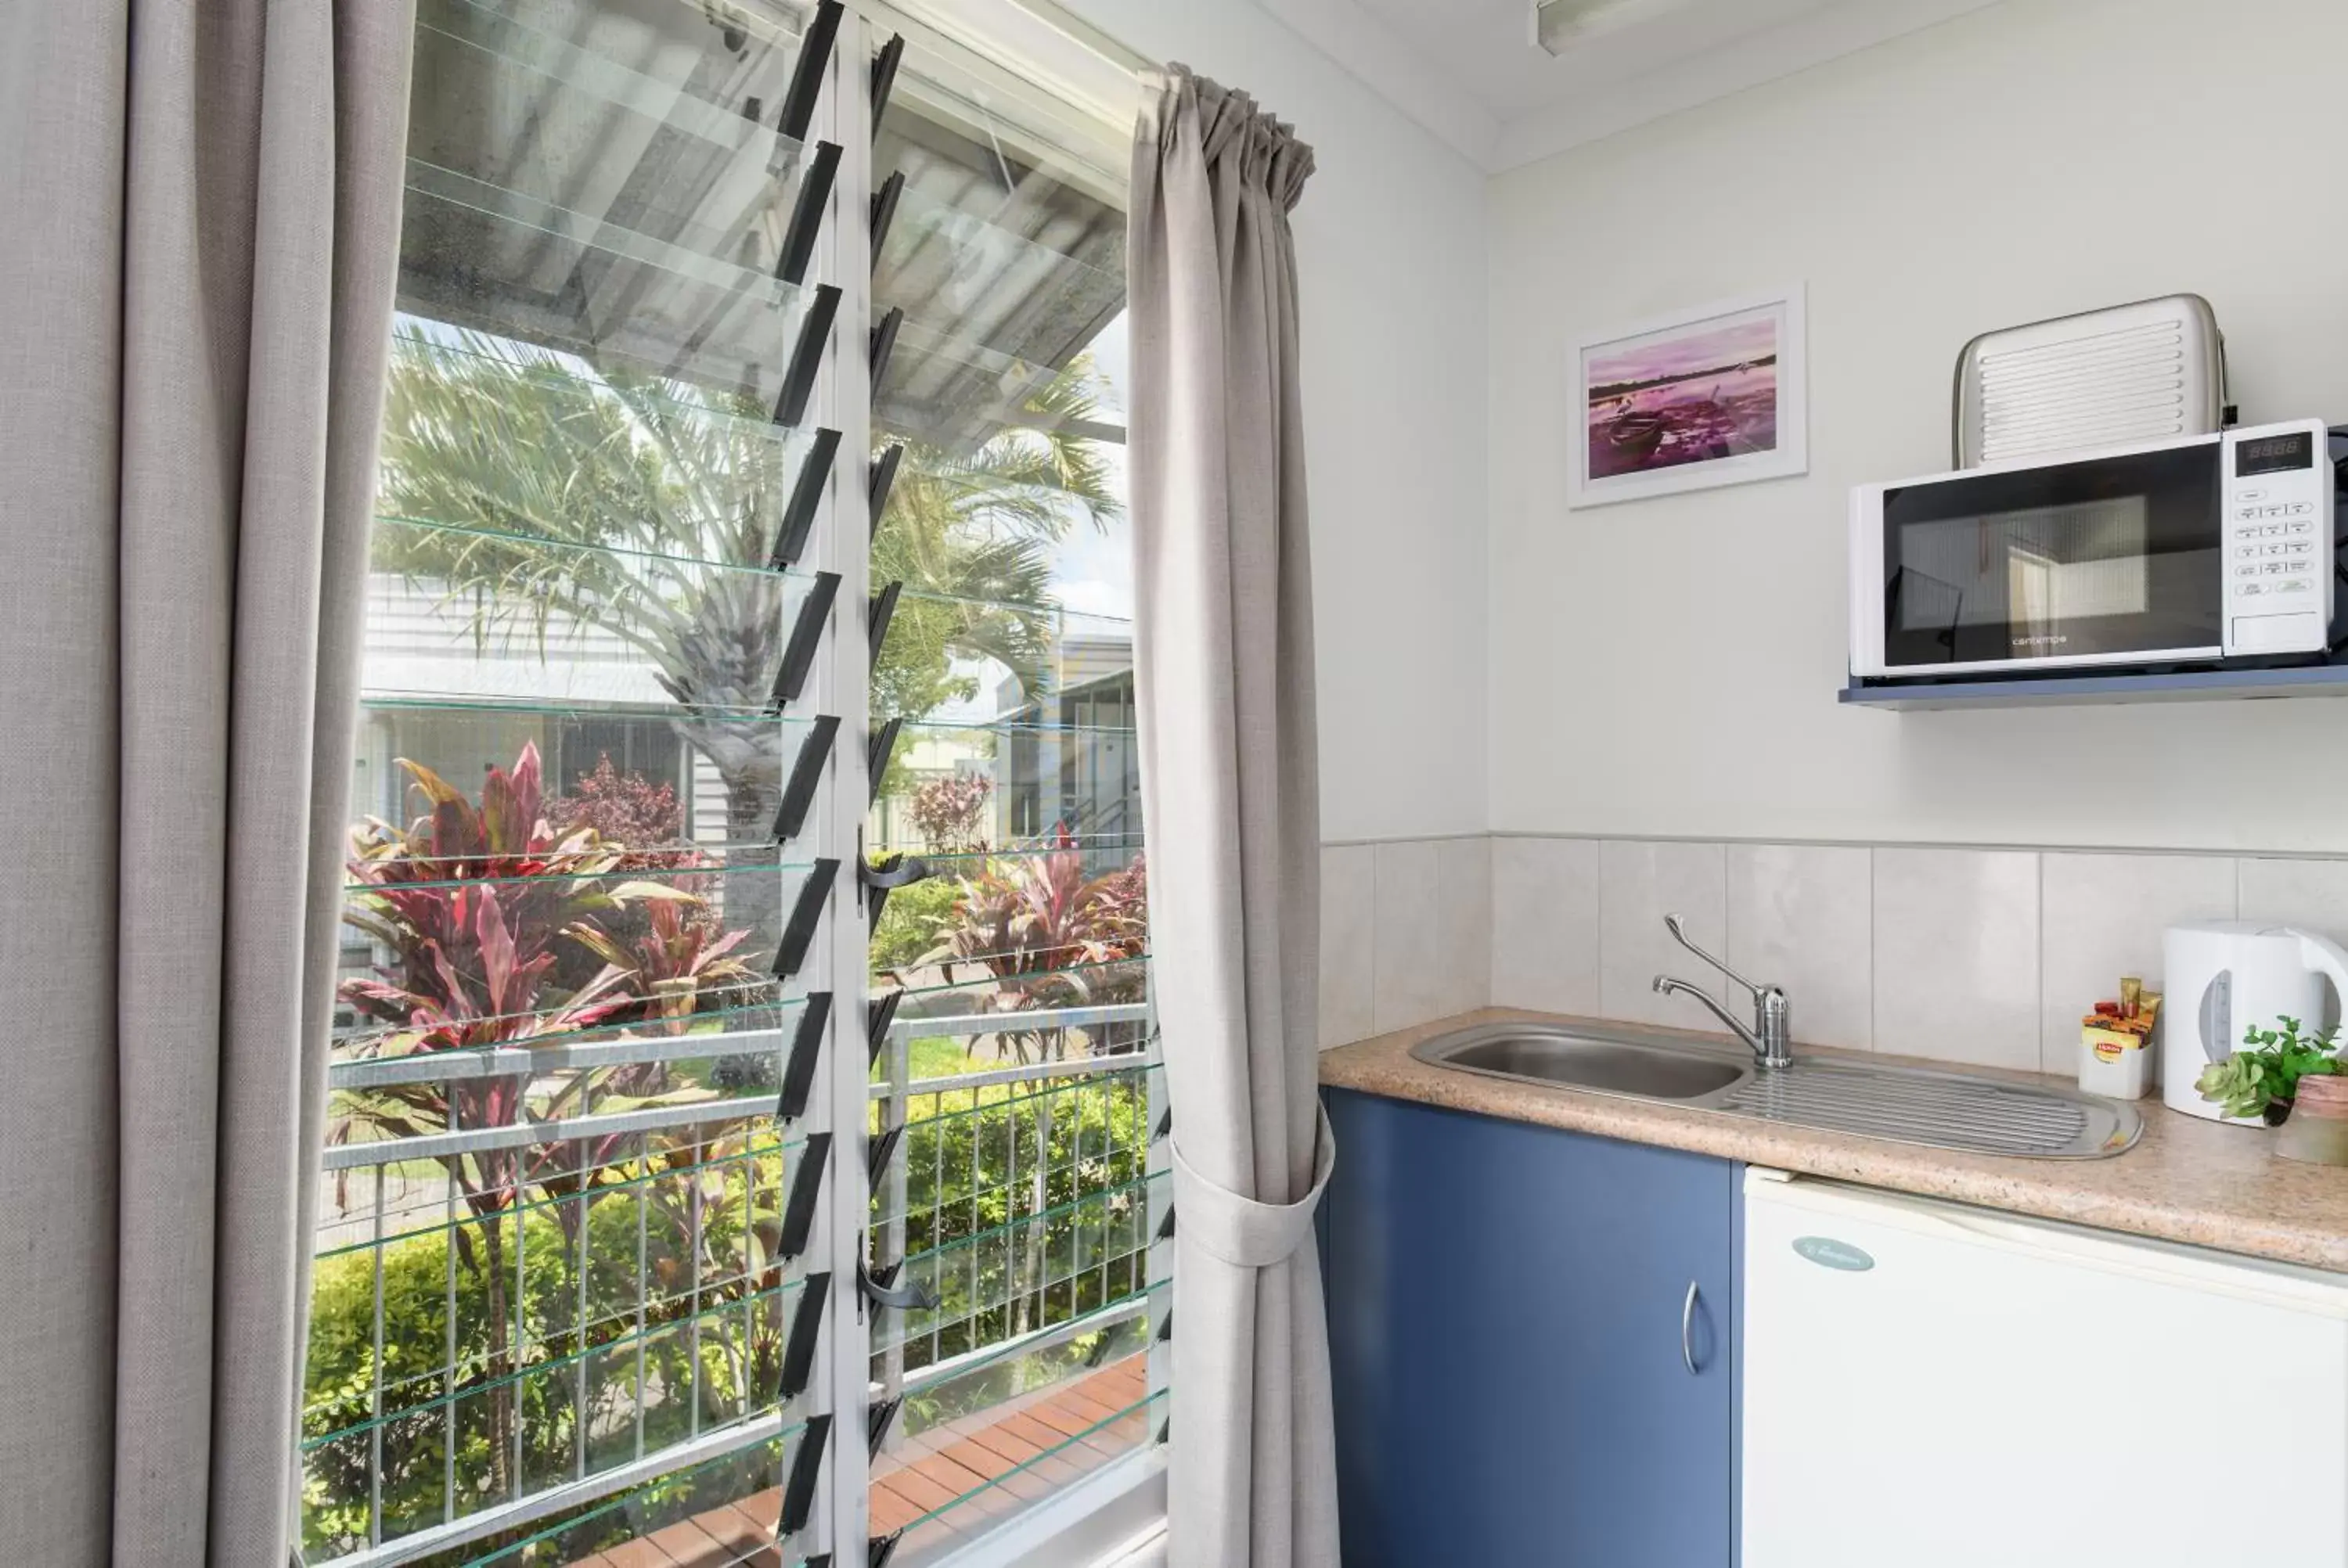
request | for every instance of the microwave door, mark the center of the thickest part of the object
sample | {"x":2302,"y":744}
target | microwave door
{"x":2099,"y":562}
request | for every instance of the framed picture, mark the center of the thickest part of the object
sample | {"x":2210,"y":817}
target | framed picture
{"x":1702,"y":397}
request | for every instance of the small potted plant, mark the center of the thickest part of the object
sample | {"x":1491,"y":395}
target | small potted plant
{"x":2294,"y":1082}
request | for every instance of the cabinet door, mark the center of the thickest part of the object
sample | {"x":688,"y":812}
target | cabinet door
{"x":1506,"y":1305}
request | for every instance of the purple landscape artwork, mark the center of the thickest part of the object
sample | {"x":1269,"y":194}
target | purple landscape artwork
{"x":1693,"y":394}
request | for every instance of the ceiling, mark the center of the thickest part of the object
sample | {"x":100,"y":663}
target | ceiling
{"x":1469,"y":71}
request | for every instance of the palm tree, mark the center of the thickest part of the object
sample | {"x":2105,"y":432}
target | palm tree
{"x":522,"y":456}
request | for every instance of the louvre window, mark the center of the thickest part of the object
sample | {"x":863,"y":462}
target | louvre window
{"x":746,"y":1143}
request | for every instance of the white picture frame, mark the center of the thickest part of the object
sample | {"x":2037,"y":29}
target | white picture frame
{"x":1644,"y":417}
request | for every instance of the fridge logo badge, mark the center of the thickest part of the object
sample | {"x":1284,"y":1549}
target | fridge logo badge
{"x":1828,"y":1253}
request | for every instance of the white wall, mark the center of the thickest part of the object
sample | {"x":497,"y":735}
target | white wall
{"x":1669,"y":667}
{"x":1390,"y":244}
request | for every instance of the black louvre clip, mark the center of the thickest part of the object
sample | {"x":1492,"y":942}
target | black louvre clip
{"x":884,"y":210}
{"x":881,"y":1416}
{"x":807,"y":634}
{"x":880,"y":880}
{"x":878,"y":751}
{"x":806,"y":1045}
{"x":1165,"y":1326}
{"x":884,"y":75}
{"x":1165,"y":1124}
{"x":806,"y":495}
{"x":798,"y":793}
{"x":883,"y":341}
{"x":799,"y":1352}
{"x":800,"y":928}
{"x":806,"y":355}
{"x":799,"y":1213}
{"x":806,"y":214}
{"x":882,"y":1548}
{"x":807,"y":75}
{"x":1165,"y":1430}
{"x":879,"y":1014}
{"x":1166,"y":1226}
{"x":798,"y":1496}
{"x":882,"y":478}
{"x":877,"y":615}
{"x":878,"y":1153}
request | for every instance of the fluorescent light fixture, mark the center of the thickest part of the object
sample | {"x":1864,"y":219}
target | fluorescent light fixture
{"x":1559,"y":25}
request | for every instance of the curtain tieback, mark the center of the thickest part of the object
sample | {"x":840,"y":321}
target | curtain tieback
{"x":1239,"y":1230}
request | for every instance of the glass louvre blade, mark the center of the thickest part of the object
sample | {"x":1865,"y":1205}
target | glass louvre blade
{"x":722,"y":1510}
{"x":1031,"y":778}
{"x":506,"y":438}
{"x":475,"y":257}
{"x":1059,"y":1262}
{"x":943,"y":261}
{"x":627,"y":773}
{"x":1009,"y":1150}
{"x":463,"y":613}
{"x":731,"y":1019}
{"x":944,"y":1500}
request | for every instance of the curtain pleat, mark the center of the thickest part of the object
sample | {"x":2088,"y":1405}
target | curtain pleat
{"x":1230,"y":785}
{"x":203,"y":205}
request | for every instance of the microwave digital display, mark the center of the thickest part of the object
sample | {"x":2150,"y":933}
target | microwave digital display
{"x":2274,"y":455}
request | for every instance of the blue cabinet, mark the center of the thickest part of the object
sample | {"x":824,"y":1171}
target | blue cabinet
{"x":1506,"y":1312}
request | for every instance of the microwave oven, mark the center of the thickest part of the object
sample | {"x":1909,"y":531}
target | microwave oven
{"x":2195,"y":550}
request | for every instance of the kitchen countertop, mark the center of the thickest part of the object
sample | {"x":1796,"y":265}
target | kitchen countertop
{"x":2186,"y":1180}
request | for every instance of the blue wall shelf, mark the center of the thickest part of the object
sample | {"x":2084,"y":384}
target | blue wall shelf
{"x":2187,"y":686}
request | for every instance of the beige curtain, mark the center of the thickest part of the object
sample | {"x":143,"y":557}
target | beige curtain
{"x":1231,"y":793}
{"x":199,"y":223}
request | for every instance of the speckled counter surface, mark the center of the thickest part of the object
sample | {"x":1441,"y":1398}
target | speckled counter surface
{"x":2185,"y":1180}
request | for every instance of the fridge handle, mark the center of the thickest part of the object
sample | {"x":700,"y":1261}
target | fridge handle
{"x":1687,"y":1330}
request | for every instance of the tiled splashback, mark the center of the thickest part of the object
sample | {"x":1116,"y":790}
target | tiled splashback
{"x":1979,"y":956}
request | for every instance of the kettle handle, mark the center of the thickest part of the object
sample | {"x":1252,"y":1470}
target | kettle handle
{"x":2324,"y":957}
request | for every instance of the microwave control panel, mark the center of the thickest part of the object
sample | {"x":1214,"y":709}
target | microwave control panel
{"x":2277,"y":489}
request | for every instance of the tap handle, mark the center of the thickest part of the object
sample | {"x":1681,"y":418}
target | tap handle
{"x":1673,"y":924}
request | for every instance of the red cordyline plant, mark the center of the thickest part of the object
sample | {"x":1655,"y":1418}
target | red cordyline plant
{"x":1050,"y":936}
{"x":950,"y":813}
{"x":471,"y":903}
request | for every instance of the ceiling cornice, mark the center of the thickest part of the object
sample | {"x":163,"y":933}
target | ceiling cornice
{"x":1367,"y":48}
{"x":1796,"y":45}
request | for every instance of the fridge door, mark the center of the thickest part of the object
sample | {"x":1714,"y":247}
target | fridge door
{"x":1937,"y":1386}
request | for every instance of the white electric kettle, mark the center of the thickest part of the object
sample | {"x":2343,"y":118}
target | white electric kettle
{"x":2221,"y":978}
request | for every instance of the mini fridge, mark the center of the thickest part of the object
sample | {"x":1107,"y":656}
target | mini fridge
{"x":1934,"y":1386}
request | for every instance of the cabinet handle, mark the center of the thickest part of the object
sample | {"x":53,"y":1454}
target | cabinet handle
{"x":1687,"y":1330}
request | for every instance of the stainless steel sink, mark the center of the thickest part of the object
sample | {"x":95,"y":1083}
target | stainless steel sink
{"x":1584,"y":1061}
{"x":1902,"y":1104}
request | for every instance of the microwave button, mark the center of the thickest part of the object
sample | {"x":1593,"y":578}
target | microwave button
{"x":2300,"y":587}
{"x":2249,"y":588}
{"x":2243,"y":551}
{"x":2252,"y":494}
{"x":2298,"y":550}
{"x":2246,"y":571}
{"x":2271,"y":549}
{"x":2276,"y":566}
{"x":2302,"y":528}
{"x":2300,"y":508}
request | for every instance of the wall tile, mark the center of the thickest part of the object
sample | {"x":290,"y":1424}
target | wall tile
{"x":1463,"y":944}
{"x":1956,"y":954}
{"x":1348,"y":941}
{"x":2103,"y":917}
{"x":1407,"y":983}
{"x":1801,"y":917}
{"x":1640,"y":882}
{"x":2310,"y":893}
{"x":1545,"y":918}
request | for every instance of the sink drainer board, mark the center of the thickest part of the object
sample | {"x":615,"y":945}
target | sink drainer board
{"x":1902,"y":1104}
{"x":1976,"y":1114}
